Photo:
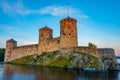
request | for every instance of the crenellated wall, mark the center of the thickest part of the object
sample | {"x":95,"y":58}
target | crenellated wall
{"x":22,"y":51}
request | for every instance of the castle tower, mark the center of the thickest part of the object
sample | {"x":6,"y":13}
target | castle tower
{"x":68,"y":33}
{"x":45,"y":34}
{"x":10,"y":44}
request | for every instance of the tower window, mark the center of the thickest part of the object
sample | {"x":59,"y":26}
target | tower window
{"x":58,"y":41}
{"x":63,"y":33}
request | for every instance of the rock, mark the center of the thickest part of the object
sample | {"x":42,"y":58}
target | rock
{"x":67,"y":60}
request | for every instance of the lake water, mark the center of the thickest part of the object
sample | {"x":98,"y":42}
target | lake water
{"x":118,"y":59}
{"x":23,"y":72}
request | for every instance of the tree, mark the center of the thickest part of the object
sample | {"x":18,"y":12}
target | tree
{"x":92,"y":45}
{"x":2,"y":52}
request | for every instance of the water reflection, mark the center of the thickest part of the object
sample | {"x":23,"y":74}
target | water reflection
{"x":23,"y":72}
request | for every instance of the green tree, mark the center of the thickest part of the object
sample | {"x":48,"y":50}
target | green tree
{"x":92,"y":45}
{"x":2,"y":52}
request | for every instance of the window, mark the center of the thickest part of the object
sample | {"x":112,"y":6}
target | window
{"x":58,"y":41}
{"x":63,"y":33}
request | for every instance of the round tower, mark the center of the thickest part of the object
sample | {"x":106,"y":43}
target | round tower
{"x":10,"y":44}
{"x":68,"y":33}
{"x":45,"y":34}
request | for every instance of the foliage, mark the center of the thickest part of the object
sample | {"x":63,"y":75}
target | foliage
{"x":2,"y":52}
{"x":92,"y":45}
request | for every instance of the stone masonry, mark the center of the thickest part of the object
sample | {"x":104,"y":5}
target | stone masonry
{"x":67,"y":42}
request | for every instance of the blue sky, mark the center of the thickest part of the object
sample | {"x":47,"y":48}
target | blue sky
{"x":98,"y":21}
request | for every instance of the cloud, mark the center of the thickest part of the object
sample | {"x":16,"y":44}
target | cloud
{"x":55,"y":10}
{"x":5,"y":6}
{"x":12,"y":8}
{"x":18,"y":8}
{"x":62,"y":11}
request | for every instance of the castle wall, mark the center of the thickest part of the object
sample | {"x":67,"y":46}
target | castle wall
{"x":68,"y":50}
{"x":54,"y":44}
{"x":107,"y":53}
{"x":81,"y":49}
{"x":88,"y":50}
{"x":23,"y":51}
{"x":50,"y":45}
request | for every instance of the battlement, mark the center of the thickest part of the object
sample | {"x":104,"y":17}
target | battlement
{"x":68,"y":22}
{"x":45,"y":29}
{"x":68,"y":19}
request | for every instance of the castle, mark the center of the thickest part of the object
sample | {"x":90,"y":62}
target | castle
{"x":67,"y":42}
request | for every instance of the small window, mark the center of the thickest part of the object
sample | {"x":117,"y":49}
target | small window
{"x":58,"y":41}
{"x":63,"y":33}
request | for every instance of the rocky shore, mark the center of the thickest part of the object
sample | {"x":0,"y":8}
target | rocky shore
{"x":68,"y":60}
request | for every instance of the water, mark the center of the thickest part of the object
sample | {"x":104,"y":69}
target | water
{"x":118,"y":59}
{"x":23,"y":72}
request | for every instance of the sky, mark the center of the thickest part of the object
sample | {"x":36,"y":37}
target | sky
{"x":98,"y":21}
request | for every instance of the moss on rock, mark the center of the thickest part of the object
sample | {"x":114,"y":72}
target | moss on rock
{"x":57,"y":59}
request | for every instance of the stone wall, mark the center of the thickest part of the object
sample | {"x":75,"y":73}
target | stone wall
{"x":88,"y":50}
{"x":22,"y":51}
{"x":107,"y":53}
{"x":68,"y":33}
{"x":81,"y":49}
{"x":54,"y":44}
{"x":45,"y":34}
{"x":49,"y":45}
{"x":10,"y":44}
{"x":68,"y":50}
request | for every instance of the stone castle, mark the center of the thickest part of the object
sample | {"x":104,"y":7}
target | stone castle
{"x":67,"y":42}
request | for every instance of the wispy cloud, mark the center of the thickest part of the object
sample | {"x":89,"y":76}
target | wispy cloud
{"x":12,"y":8}
{"x":5,"y":6}
{"x":62,"y":11}
{"x":54,"y":10}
